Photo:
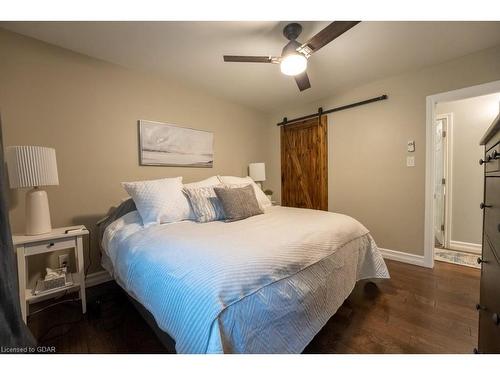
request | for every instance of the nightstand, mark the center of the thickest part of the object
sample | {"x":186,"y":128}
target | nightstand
{"x":55,"y":240}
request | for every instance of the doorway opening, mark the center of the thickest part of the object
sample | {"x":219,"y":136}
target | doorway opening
{"x":458,"y":188}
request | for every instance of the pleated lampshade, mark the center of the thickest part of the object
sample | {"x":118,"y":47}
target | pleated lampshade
{"x":30,"y":166}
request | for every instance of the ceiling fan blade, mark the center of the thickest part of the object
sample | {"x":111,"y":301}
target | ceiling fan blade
{"x":253,"y":59}
{"x":325,"y":36}
{"x":302,"y":81}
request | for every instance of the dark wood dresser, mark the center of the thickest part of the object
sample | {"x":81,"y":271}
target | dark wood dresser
{"x":489,"y":304}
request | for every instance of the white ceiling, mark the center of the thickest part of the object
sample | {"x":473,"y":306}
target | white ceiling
{"x":192,"y":52}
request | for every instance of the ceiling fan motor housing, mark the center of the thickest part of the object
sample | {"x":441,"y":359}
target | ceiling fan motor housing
{"x":292,"y":31}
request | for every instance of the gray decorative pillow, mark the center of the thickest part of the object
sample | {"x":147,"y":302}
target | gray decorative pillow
{"x":238,"y":203}
{"x":206,"y":206}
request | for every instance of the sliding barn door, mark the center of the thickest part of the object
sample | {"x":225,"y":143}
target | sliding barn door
{"x":304,"y":164}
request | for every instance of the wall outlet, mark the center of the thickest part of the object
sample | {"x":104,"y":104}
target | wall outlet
{"x":64,"y":260}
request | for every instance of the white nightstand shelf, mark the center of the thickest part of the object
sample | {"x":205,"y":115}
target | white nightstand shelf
{"x":56,"y":240}
{"x":31,"y":298}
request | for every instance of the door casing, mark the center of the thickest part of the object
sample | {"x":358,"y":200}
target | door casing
{"x":431,"y":101}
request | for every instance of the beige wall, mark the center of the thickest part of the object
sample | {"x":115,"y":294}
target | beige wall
{"x":368,"y":177}
{"x":88,"y":110}
{"x":470,"y":119}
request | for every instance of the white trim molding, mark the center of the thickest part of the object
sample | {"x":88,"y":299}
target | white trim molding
{"x":97,"y":278}
{"x":466,"y":246}
{"x":431,"y":101}
{"x":448,"y":175}
{"x":417,"y":260}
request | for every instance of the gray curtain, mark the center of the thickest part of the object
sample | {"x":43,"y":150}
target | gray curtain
{"x":13,"y":331}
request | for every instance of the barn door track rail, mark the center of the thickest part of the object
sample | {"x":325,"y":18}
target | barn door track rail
{"x":341,"y":108}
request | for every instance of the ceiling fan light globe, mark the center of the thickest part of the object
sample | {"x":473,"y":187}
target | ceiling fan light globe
{"x":293,"y":64}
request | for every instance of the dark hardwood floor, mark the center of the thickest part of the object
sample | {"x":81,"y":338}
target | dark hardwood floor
{"x":418,"y":310}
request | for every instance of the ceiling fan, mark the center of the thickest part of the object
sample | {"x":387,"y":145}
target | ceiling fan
{"x":294,"y":56}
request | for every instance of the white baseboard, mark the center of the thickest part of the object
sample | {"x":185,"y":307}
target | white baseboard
{"x":97,"y":278}
{"x":417,"y":260}
{"x":466,"y":246}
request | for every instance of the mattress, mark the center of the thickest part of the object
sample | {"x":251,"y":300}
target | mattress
{"x":266,"y":284}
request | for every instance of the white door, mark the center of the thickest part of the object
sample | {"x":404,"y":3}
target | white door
{"x":439,"y":180}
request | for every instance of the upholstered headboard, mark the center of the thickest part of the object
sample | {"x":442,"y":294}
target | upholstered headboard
{"x":115,"y":213}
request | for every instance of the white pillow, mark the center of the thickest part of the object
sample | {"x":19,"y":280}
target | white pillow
{"x":208,"y":182}
{"x":159,"y":201}
{"x":262,"y":198}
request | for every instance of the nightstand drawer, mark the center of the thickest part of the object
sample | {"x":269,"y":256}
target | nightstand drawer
{"x":46,"y":246}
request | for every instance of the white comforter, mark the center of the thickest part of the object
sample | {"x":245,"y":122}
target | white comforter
{"x":266,"y":284}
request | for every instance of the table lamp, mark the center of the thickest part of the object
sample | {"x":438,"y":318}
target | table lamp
{"x":33,"y":166}
{"x":257,"y":172}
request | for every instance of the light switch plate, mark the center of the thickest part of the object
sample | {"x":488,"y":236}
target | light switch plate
{"x":411,"y":146}
{"x":410,"y":161}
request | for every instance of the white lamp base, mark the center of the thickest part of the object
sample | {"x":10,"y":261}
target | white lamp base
{"x":37,"y":212}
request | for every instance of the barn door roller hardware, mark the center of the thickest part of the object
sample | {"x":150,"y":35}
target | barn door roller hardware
{"x":322,"y":112}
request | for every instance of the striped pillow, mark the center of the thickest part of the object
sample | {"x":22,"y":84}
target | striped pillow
{"x":206,"y":206}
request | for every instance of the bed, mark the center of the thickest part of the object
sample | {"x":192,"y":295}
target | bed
{"x":266,"y":284}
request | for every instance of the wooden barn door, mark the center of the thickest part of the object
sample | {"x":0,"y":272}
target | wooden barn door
{"x":304,"y":164}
